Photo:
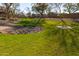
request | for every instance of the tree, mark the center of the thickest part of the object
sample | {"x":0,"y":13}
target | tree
{"x":14,"y":9}
{"x":57,"y":7}
{"x":39,"y":8}
{"x":10,"y":9}
{"x":49,"y":10}
{"x":28,"y":12}
{"x":70,"y":7}
{"x":7,"y":9}
{"x":78,"y":6}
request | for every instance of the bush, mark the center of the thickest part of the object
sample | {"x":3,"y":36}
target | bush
{"x":32,"y":23}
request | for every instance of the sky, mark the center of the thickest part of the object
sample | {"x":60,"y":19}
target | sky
{"x":24,"y":7}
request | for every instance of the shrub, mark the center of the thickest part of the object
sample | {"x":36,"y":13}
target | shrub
{"x":32,"y":23}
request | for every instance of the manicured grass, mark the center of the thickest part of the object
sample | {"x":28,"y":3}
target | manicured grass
{"x":46,"y":42}
{"x":27,"y":44}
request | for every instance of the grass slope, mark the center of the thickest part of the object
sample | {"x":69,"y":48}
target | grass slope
{"x":34,"y":44}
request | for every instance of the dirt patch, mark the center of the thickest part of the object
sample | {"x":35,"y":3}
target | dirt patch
{"x":3,"y":29}
{"x":18,"y":30}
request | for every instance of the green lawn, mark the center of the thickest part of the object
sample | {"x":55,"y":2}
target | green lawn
{"x":44,"y":43}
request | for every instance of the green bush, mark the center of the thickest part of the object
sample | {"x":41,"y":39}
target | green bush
{"x":32,"y":23}
{"x":23,"y":23}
